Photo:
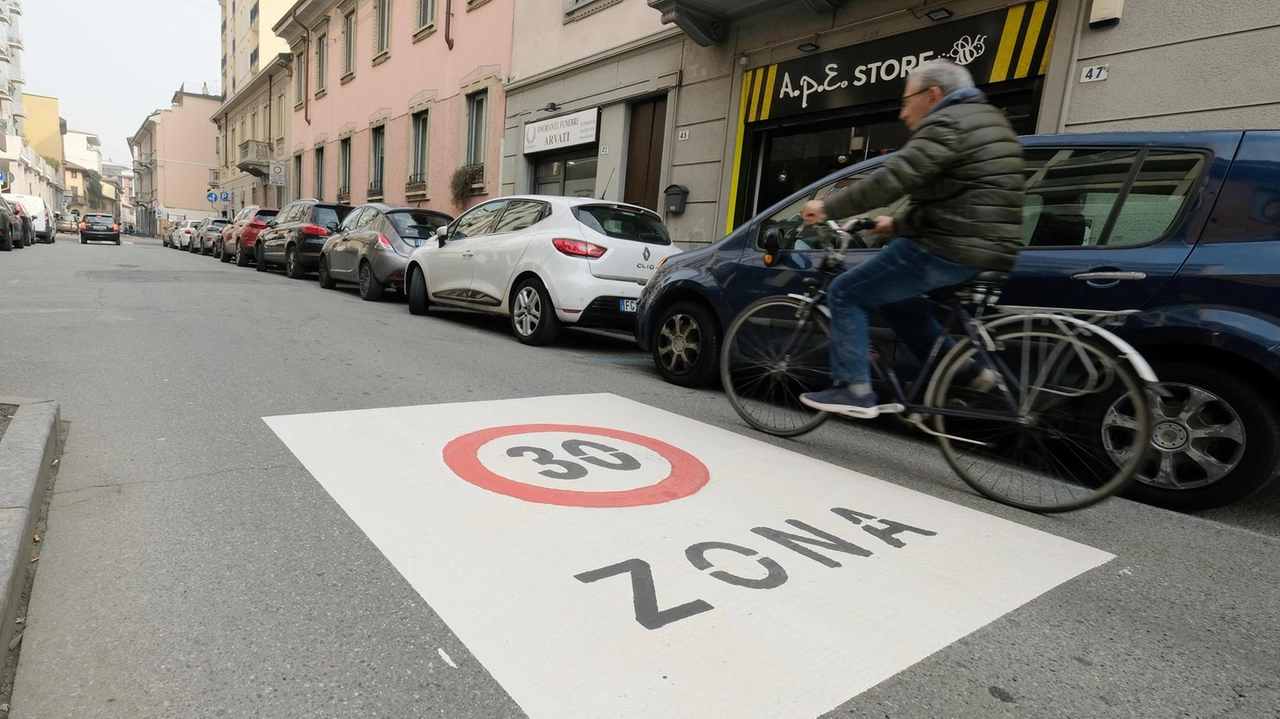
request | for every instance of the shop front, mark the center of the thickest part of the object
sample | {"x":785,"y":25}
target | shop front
{"x":803,"y":119}
{"x":564,"y":153}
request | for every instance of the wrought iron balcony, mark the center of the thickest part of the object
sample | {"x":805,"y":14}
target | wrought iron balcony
{"x":375,"y":190}
{"x":255,"y":157}
{"x":344,"y":194}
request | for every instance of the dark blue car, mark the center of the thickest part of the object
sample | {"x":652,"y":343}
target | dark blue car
{"x":1183,"y":226}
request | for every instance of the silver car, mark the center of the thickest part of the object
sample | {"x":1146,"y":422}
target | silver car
{"x":372,"y":247}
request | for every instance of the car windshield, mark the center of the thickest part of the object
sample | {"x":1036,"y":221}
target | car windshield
{"x":412,"y":224}
{"x":329,"y":215}
{"x":623,"y":223}
{"x":97,"y":218}
{"x":219,"y":223}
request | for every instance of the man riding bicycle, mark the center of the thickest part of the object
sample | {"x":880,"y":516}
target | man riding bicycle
{"x":962,"y":168}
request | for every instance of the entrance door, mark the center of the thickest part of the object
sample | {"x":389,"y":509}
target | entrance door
{"x":644,"y":153}
{"x":571,"y":174}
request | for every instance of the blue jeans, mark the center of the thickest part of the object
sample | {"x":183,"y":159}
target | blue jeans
{"x":893,"y":280}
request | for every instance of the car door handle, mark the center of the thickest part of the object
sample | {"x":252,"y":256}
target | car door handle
{"x":1112,"y":276}
{"x":468,"y":254}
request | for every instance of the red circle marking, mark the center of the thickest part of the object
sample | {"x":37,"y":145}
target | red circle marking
{"x":688,"y":474}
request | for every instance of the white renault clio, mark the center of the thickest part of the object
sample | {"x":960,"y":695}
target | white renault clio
{"x":543,"y":261}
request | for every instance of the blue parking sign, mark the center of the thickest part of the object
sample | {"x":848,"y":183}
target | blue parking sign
{"x":226,"y":196}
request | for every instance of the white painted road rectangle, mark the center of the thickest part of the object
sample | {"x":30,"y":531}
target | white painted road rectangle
{"x":609,"y":559}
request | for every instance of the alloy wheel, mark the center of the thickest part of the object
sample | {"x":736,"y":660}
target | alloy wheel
{"x":528,"y":311}
{"x":365,"y":277}
{"x":290,"y":259}
{"x":1197,"y":440}
{"x":679,"y":344}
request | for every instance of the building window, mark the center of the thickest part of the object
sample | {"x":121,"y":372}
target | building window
{"x":253,"y":60}
{"x":349,"y":43}
{"x":344,"y":167}
{"x":319,"y":173}
{"x":426,"y":13}
{"x":299,"y":74}
{"x":382,"y":26}
{"x":322,"y":62}
{"x":377,"y":142}
{"x":420,"y":129}
{"x":297,"y":177}
{"x":477,"y":126}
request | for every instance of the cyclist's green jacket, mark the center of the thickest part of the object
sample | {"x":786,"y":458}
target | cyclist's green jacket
{"x":963,"y":170}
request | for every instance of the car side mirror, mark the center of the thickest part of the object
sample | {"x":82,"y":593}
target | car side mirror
{"x":772,"y":246}
{"x":333,"y":226}
{"x":442,"y":234}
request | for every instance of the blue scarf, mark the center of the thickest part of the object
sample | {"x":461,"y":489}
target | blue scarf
{"x":956,"y":97}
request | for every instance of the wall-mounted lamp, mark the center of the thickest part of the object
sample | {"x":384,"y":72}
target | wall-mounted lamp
{"x":938,"y":14}
{"x":1105,"y":13}
{"x":551,"y":107}
{"x":809,"y":45}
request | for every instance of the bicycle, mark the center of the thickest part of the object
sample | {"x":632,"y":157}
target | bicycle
{"x":1031,"y":441}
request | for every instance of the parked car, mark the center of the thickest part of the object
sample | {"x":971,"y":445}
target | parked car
{"x":209,"y":229}
{"x":67,"y":223}
{"x":10,"y":227}
{"x":184,"y":235}
{"x":98,"y":227}
{"x":542,"y":261}
{"x":294,"y":237}
{"x":241,"y":236}
{"x":1182,"y":226}
{"x":372,"y":246}
{"x":34,"y":207}
{"x":26,"y":233}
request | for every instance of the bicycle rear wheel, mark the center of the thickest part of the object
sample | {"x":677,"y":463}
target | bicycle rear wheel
{"x":774,"y":351}
{"x":1054,"y":456}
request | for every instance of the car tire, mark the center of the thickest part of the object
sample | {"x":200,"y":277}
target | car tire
{"x":259,"y":260}
{"x":1223,"y":399}
{"x":694,"y":360}
{"x":241,"y":260}
{"x":419,"y":300}
{"x":370,"y":288}
{"x":222,"y":252}
{"x":533,"y":317}
{"x":292,"y":267}
{"x":326,"y":282}
{"x":6,"y":245}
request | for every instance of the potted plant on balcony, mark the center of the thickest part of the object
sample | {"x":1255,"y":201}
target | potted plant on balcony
{"x":465,"y":182}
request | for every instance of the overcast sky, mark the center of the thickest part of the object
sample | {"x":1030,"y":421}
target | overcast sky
{"x":111,"y":63}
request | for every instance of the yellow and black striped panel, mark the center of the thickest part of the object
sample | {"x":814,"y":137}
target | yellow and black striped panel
{"x":1026,"y":42}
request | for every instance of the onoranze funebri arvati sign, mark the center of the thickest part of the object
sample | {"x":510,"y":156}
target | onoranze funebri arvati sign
{"x":1007,"y":44}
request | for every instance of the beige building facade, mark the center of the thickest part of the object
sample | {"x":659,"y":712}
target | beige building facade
{"x":253,"y":131}
{"x":174,"y":158}
{"x":248,"y":43}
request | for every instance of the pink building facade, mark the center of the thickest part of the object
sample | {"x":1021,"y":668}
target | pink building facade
{"x":393,"y":98}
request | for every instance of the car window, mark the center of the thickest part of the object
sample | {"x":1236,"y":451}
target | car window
{"x":412,"y":224}
{"x":292,"y":213}
{"x":326,"y":215}
{"x":1070,"y":194}
{"x":1167,"y":180}
{"x":796,"y":235}
{"x":266,"y":215}
{"x":519,"y":215}
{"x":354,"y":220}
{"x":477,"y":221}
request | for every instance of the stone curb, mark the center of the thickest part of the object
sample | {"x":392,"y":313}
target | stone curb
{"x":26,"y":461}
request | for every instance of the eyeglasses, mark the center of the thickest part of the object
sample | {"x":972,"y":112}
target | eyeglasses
{"x":914,"y":94}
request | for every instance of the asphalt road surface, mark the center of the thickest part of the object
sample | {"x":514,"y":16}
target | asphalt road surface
{"x":194,"y":567}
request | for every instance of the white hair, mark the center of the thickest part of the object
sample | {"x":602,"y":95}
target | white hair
{"x":942,"y":74}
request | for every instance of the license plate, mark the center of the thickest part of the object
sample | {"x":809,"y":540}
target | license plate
{"x":628,"y":305}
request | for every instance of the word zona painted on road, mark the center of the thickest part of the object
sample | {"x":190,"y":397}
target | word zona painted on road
{"x":997,"y":46}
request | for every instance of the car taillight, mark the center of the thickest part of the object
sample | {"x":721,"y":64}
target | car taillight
{"x":382,"y":240}
{"x":313,"y":230}
{"x":578,"y":248}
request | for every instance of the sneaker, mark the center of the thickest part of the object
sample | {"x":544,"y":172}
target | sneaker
{"x":842,"y":400}
{"x":984,"y":381}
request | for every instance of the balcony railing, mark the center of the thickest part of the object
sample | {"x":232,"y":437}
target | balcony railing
{"x":215,"y":178}
{"x":375,"y":190}
{"x":417,"y":185}
{"x":19,"y":110}
{"x":255,"y":157}
{"x":344,"y":193}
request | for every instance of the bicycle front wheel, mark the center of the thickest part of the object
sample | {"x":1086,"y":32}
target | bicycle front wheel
{"x":774,"y":351}
{"x":1056,"y":453}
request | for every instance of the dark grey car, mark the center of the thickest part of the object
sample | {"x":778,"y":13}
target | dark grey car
{"x":372,"y":246}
